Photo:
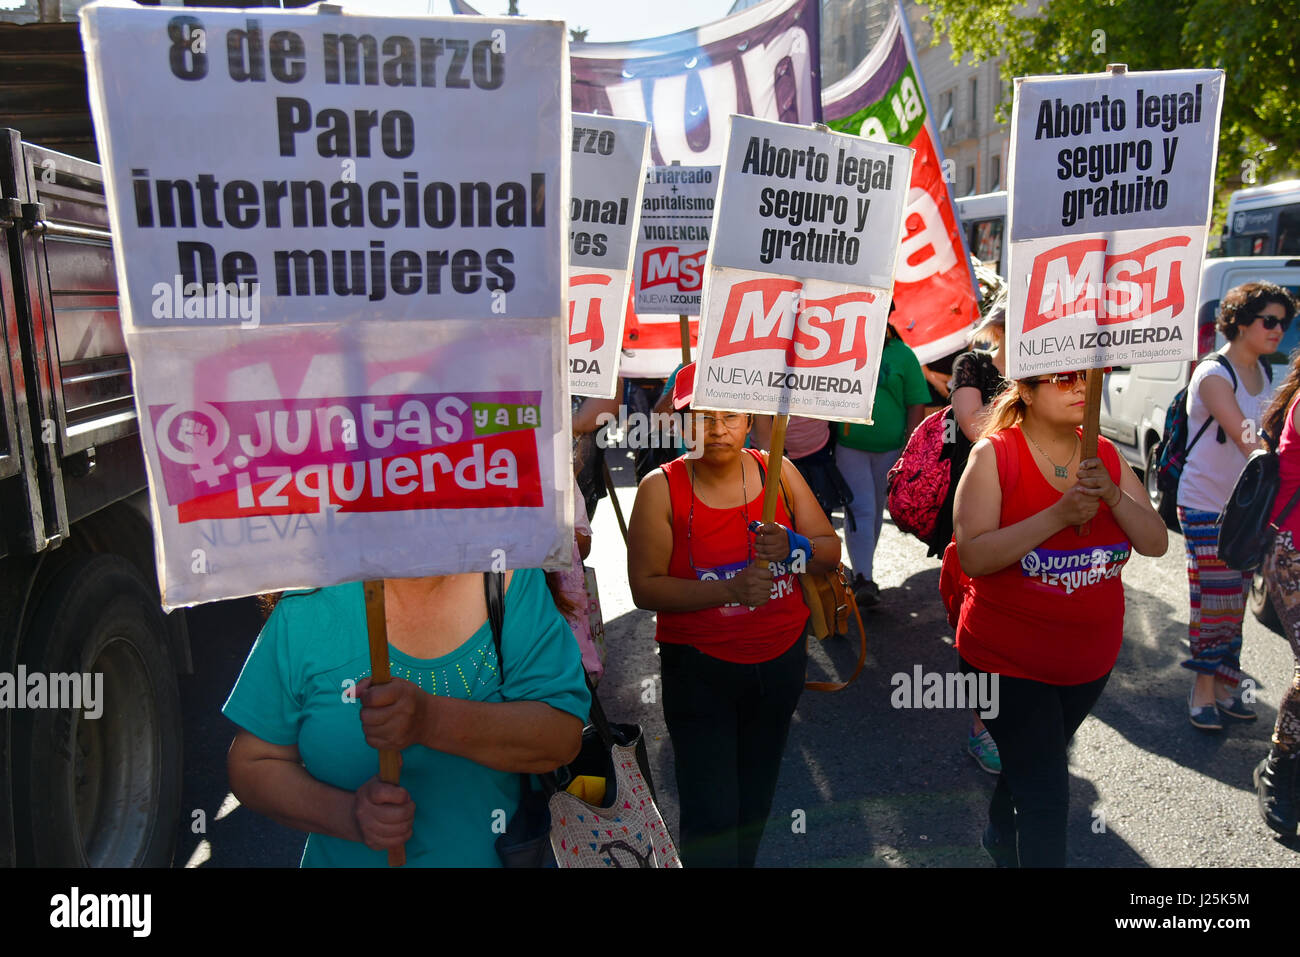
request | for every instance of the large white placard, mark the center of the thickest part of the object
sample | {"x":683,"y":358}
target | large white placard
{"x":343,"y":293}
{"x":673,"y":239}
{"x":799,"y":275}
{"x":1110,"y":181}
{"x":609,"y":160}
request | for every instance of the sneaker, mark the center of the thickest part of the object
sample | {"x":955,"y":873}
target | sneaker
{"x":866,"y":592}
{"x":984,"y":750}
{"x":1204,"y":717}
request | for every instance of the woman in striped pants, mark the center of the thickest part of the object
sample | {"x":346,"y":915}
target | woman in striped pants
{"x":1226,"y":398}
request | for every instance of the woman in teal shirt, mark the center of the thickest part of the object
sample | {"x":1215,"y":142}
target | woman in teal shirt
{"x":310,"y":721}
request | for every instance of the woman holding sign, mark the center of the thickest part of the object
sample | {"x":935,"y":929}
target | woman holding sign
{"x":1044,"y":614}
{"x":730,"y":623}
{"x":310,"y":721}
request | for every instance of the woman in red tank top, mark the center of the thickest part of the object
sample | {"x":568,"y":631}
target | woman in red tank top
{"x":1044,"y":616}
{"x":731,"y":620}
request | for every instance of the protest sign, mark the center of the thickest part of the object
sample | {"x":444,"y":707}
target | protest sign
{"x":342,"y":292}
{"x":1110,"y":184}
{"x":609,"y":158}
{"x":797,"y":290}
{"x":676,"y":217}
{"x":884,"y":99}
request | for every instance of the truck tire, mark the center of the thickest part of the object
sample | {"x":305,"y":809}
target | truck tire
{"x":1165,"y":506}
{"x":1262,"y":608}
{"x":105,"y":791}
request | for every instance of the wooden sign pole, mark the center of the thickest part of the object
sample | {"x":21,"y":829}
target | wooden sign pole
{"x":770,"y":490}
{"x":685,"y":323}
{"x":377,"y":628}
{"x":1091,"y":425}
{"x":613,"y":500}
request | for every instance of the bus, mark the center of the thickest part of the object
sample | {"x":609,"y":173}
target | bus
{"x":1263,"y":221}
{"x":983,"y":220}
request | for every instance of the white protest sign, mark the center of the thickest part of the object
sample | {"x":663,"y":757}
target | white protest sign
{"x":390,"y":404}
{"x":1111,"y":180}
{"x":797,"y":291}
{"x":673,"y":240}
{"x":609,"y":160}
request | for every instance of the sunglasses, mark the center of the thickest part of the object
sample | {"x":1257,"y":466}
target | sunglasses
{"x":1270,"y":322}
{"x":1065,"y":381}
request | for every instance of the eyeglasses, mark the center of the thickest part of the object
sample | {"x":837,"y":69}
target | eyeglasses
{"x":731,"y":420}
{"x":1065,"y":381}
{"x":1270,"y":322}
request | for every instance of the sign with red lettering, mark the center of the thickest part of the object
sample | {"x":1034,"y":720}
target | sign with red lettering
{"x":345,"y":323}
{"x":798,"y":286}
{"x":673,"y":239}
{"x":1110,"y":180}
{"x":609,"y":158}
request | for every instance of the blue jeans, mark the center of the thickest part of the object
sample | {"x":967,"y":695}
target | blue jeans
{"x":865,"y":472}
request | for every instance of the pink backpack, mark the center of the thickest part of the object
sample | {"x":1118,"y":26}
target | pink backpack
{"x":918,"y":482}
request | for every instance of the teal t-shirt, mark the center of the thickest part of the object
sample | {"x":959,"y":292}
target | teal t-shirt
{"x":901,"y":383}
{"x":292,"y":691}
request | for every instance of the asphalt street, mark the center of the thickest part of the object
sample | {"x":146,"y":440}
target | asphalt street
{"x":864,"y":784}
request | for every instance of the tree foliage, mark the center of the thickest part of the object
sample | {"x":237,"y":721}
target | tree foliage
{"x":1253,"y":41}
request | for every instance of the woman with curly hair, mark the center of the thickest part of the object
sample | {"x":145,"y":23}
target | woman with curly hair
{"x":1225,"y":400}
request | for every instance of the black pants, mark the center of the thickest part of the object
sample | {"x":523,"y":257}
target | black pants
{"x":1033,"y":728}
{"x":728,"y":725}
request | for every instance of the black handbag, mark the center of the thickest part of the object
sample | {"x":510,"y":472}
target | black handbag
{"x":1245,"y":532}
{"x":526,"y":841}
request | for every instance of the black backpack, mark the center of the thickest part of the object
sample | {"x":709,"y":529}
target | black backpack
{"x":1172,"y":452}
{"x":1245,"y":533}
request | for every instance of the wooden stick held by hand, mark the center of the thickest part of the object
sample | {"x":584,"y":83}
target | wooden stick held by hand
{"x":390,"y":762}
{"x":1091,"y":426}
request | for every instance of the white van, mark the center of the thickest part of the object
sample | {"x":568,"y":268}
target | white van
{"x":1136,"y":397}
{"x":983,"y":219}
{"x":1263,"y":221}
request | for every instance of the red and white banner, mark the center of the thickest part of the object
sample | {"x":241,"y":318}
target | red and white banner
{"x":884,"y":99}
{"x":1110,"y":180}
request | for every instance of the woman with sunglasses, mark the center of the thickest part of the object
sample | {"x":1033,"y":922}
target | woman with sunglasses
{"x":1226,"y":399}
{"x":1044,"y":615}
{"x":730,"y":622}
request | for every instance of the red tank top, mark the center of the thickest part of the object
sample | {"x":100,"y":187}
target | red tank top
{"x":1057,"y":615}
{"x":1288,"y":456}
{"x":719,"y":546}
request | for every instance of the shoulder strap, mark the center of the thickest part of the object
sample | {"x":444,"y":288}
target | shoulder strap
{"x":494,"y":592}
{"x":1268,"y":367}
{"x":1223,"y":360}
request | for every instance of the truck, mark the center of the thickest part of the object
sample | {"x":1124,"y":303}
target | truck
{"x":80,"y":612}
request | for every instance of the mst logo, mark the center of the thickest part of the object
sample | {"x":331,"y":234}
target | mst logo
{"x":585,"y":321}
{"x":1082,"y":279}
{"x":761,"y":314}
{"x":664,"y":265}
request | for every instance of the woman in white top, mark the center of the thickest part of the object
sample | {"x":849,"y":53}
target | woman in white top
{"x":1226,"y":399}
